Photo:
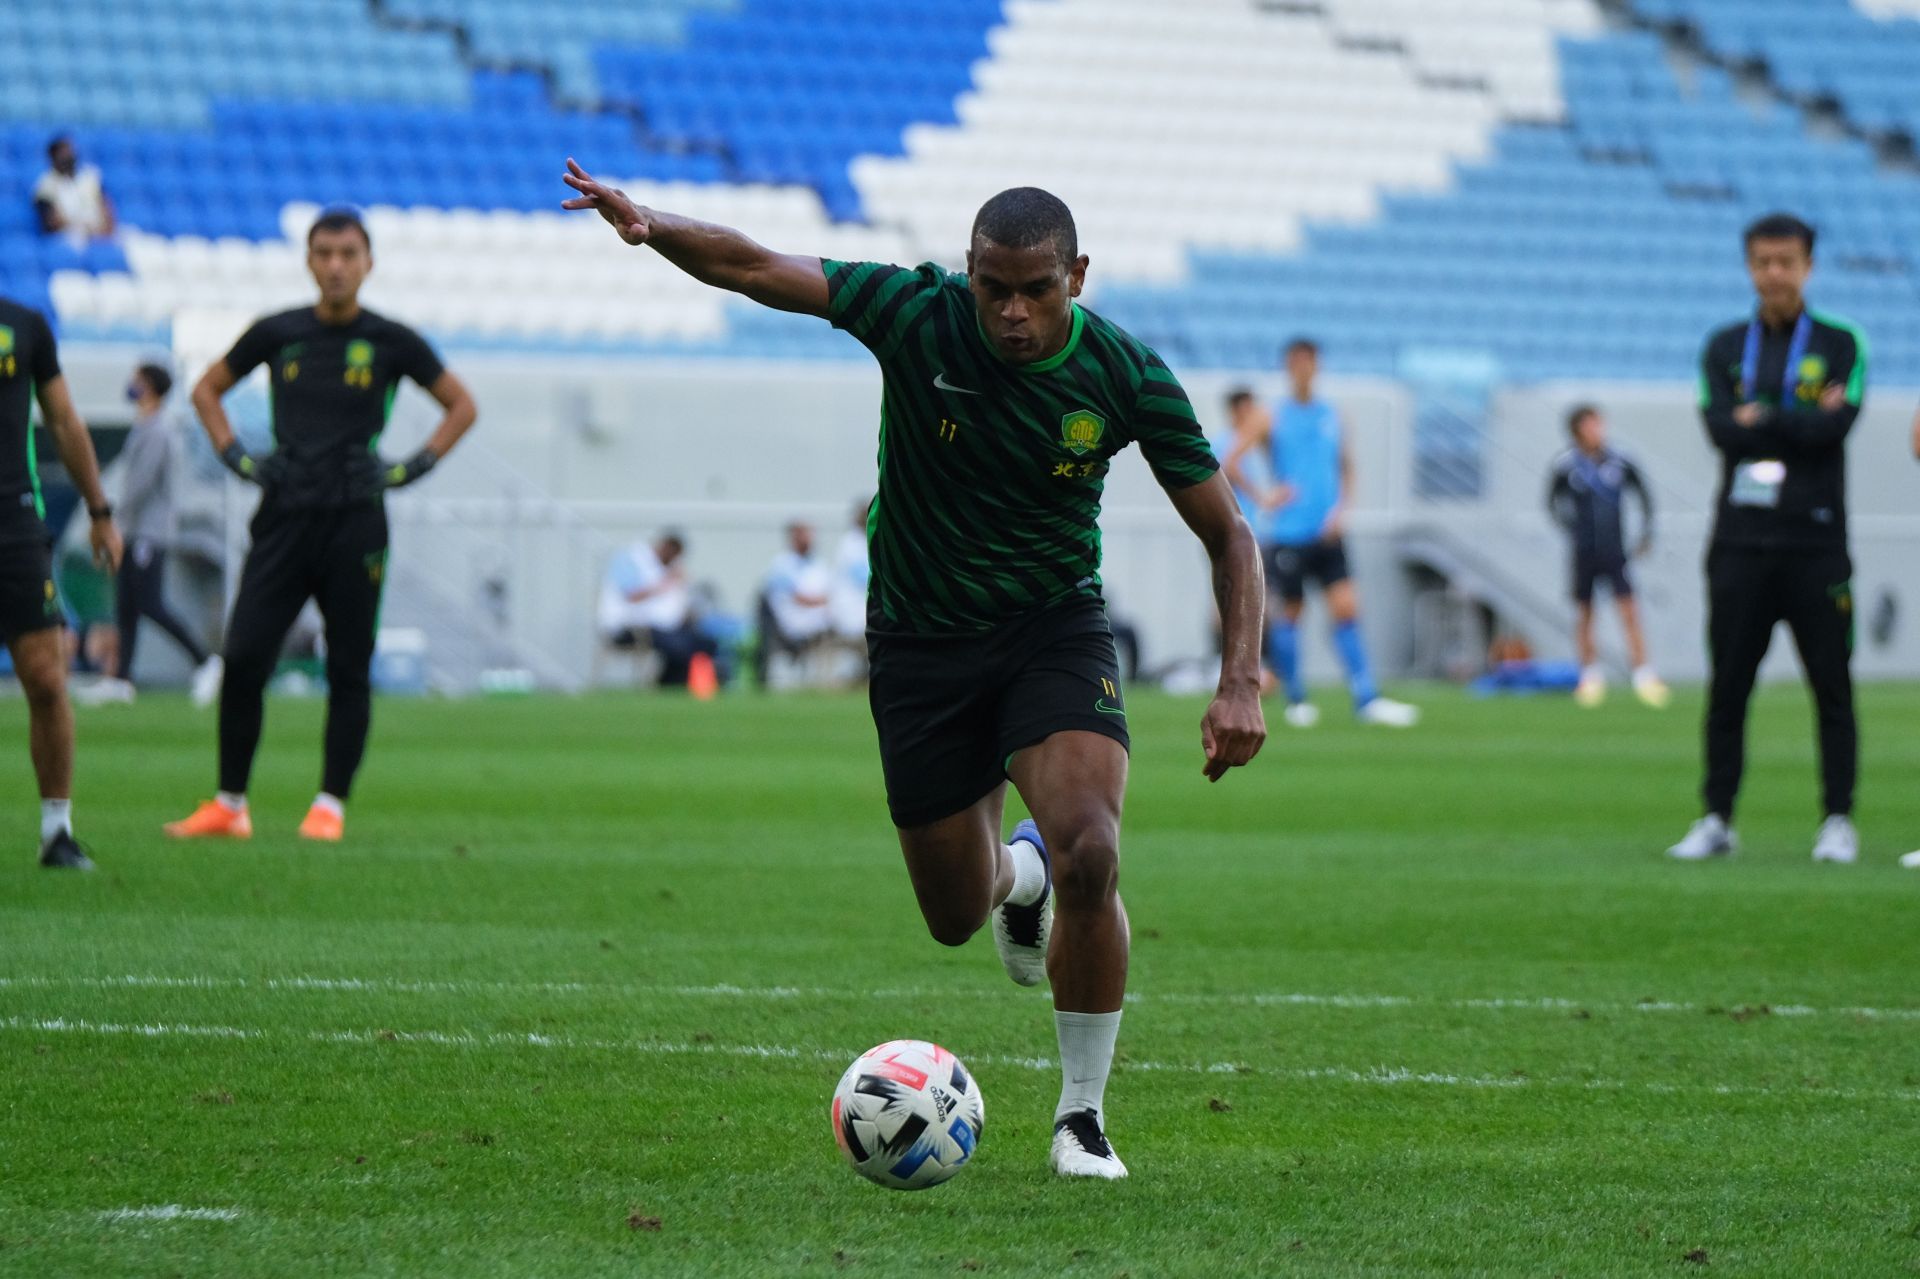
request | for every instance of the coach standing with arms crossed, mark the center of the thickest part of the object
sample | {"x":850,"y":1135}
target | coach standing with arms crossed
{"x":1778,"y":393}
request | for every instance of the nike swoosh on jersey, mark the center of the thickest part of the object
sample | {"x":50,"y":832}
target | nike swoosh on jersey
{"x":940,"y":383}
{"x":1100,"y":704}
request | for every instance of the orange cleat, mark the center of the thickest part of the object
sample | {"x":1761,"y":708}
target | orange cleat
{"x":213,"y":819}
{"x":321,"y":824}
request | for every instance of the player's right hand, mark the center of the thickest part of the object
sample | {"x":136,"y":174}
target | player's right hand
{"x":611,"y":203}
{"x":236,"y":459}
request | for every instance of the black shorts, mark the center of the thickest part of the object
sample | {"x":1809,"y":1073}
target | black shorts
{"x":1590,"y":569}
{"x":28,"y":601}
{"x":953,"y":709}
{"x":1289,"y":567}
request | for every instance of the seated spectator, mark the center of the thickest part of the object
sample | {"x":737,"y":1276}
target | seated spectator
{"x":847,"y":597}
{"x":71,"y":199}
{"x":793,"y":605}
{"x":645,"y":600}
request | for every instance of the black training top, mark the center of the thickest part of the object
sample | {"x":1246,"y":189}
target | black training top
{"x":28,"y":360}
{"x":1587,"y":496}
{"x":333,"y":389}
{"x":1783,"y":481}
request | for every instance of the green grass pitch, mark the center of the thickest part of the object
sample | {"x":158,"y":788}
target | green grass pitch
{"x":572,"y":998}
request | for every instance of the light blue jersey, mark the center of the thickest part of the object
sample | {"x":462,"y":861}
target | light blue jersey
{"x":1305,"y":453}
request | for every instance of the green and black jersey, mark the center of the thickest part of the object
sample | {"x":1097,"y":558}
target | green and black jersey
{"x":28,"y":361}
{"x":990,"y":472}
{"x":1783,"y":480}
{"x":332,"y":390}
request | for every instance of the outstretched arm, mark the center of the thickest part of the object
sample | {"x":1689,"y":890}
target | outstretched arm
{"x":1234,"y":727}
{"x":716,"y":255}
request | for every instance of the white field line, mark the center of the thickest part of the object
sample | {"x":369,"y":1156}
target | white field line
{"x":170,"y":1212}
{"x":381,"y":985}
{"x":1387,"y":1076}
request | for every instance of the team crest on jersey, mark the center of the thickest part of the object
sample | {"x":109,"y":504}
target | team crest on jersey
{"x":1081,"y":431}
{"x":6,"y":340}
{"x":360,"y":363}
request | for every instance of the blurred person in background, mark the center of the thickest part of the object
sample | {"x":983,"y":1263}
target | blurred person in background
{"x":320,"y":531}
{"x":1249,"y":479}
{"x":31,"y":622}
{"x":1302,"y":528}
{"x":72,"y":199}
{"x":847,"y":596}
{"x":1779,"y":393}
{"x":645,"y":600}
{"x":1587,"y":497}
{"x":794,"y":613}
{"x":146,"y":513}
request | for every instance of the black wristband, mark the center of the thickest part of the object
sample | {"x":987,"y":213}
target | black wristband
{"x":102,"y":512}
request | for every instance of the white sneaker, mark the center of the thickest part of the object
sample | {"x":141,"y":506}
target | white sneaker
{"x":103,"y":691}
{"x":1910,"y":861}
{"x":1591,"y":690}
{"x":1021,"y":933}
{"x":1081,"y":1148}
{"x":206,"y":680}
{"x":1651,"y":689}
{"x":1302,"y":714}
{"x":1838,"y":842}
{"x":1384,"y":710}
{"x":1707,"y":838}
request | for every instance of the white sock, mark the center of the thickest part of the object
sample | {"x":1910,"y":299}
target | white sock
{"x":1641,"y":674}
{"x":232,"y":801}
{"x":56,"y":818}
{"x":1594,"y":673}
{"x":1029,"y":875}
{"x":330,"y":804}
{"x":1086,"y":1055}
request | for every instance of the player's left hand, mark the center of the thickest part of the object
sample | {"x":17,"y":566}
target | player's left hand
{"x":1336,"y":525}
{"x":1749,"y":414}
{"x":1833,"y":397}
{"x":397,"y":475}
{"x":105,"y":537}
{"x":1233,"y":730}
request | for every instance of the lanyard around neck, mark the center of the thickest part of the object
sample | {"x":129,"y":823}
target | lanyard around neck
{"x":1796,"y":351}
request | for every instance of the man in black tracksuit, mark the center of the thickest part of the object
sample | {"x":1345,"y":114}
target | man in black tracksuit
{"x":320,"y":532}
{"x":1779,"y":393}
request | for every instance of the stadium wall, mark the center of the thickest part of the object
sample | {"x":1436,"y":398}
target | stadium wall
{"x":502,"y":550}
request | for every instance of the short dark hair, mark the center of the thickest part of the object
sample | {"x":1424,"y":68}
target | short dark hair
{"x":1578,"y":414}
{"x":674,"y":538}
{"x":1780,"y":226}
{"x":57,"y":141}
{"x":158,"y":380}
{"x":1027,"y":218}
{"x":339,"y":218}
{"x":1239,"y":395}
{"x":1301,"y":343}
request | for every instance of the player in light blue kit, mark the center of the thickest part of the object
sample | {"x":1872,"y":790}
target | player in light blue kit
{"x":1301,"y":527}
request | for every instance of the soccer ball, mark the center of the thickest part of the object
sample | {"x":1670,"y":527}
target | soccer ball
{"x":907,"y":1114}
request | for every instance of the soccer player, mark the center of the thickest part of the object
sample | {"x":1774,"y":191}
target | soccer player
{"x":30,"y":617}
{"x":320,"y":531}
{"x":1587,"y":497}
{"x":992,"y":659}
{"x":1304,"y":516}
{"x":1779,"y":392}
